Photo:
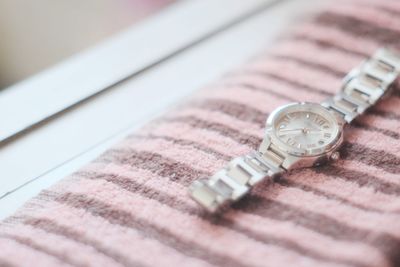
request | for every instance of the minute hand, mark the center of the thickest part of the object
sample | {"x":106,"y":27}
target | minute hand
{"x":301,"y":130}
{"x":290,"y":131}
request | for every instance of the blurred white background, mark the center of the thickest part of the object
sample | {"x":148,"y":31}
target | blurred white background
{"x":38,"y":34}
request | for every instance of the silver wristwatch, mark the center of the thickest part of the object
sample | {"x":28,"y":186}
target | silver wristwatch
{"x":301,"y":135}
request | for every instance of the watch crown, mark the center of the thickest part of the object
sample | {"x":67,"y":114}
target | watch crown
{"x":335,"y":156}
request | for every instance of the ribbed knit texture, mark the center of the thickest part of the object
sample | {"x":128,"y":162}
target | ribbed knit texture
{"x":130,"y":206}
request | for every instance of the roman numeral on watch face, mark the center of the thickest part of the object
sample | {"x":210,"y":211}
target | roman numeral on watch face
{"x":304,"y":129}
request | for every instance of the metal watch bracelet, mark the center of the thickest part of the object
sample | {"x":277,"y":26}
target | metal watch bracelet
{"x":361,"y":89}
{"x":365,"y":85}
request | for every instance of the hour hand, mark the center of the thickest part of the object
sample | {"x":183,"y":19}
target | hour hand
{"x":298,"y":131}
{"x":290,"y":131}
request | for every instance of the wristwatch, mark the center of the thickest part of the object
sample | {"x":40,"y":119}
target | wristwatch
{"x":300,"y":135}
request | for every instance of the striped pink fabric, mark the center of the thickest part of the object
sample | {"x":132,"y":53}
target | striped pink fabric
{"x":130,"y":206}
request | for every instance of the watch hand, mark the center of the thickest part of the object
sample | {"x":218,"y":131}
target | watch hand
{"x":291,"y":130}
{"x":303,"y":130}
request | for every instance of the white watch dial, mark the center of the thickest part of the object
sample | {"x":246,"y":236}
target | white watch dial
{"x":305,"y":129}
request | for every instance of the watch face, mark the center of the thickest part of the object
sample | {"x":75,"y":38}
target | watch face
{"x":304,"y":129}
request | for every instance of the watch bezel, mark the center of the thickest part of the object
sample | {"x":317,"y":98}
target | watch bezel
{"x":304,"y":106}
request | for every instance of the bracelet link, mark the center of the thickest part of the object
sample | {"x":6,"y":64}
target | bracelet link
{"x":342,"y":107}
{"x":232,"y":182}
{"x":204,"y":194}
{"x":389,"y":58}
{"x":364,"y":89}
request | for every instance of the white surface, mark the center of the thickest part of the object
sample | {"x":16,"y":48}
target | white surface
{"x":122,"y":56}
{"x":59,"y":147}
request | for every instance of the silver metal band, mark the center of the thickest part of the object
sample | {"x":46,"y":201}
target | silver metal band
{"x":234,"y":181}
{"x":362,"y":88}
{"x":365,"y":85}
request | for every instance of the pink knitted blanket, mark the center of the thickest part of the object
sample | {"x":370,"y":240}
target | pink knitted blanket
{"x":130,"y":206}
